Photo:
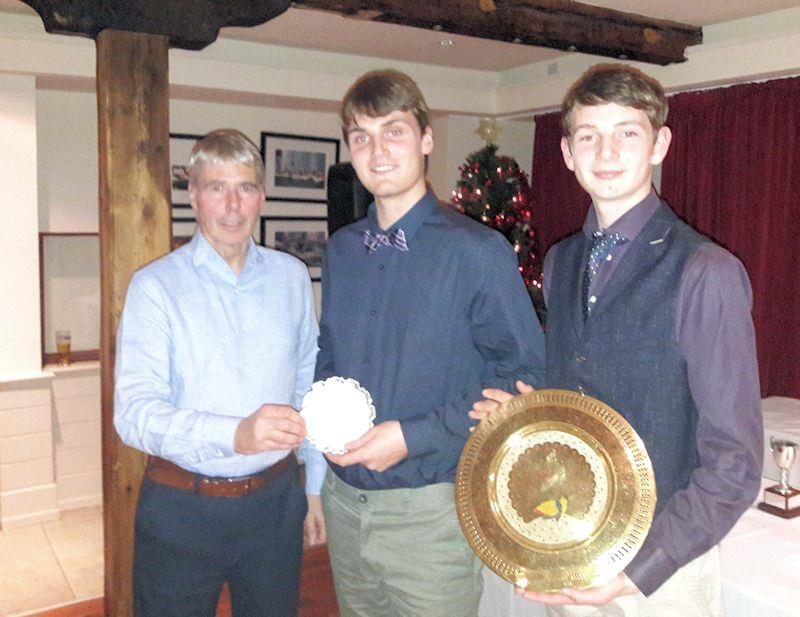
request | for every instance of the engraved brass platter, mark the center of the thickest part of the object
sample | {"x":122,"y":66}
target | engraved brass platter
{"x":555,"y":490}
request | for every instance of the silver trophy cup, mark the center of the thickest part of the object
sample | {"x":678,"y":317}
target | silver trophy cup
{"x":784,"y":453}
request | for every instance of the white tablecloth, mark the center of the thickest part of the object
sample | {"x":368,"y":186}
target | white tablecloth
{"x":761,"y":565}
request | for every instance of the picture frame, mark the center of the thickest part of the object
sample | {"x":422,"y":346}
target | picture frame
{"x":69,"y":294}
{"x":295,"y":209}
{"x":180,"y":147}
{"x":297,"y":166}
{"x":304,"y":237}
{"x":182,"y":212}
{"x":183,"y":229}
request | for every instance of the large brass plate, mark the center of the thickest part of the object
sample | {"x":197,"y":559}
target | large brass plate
{"x":555,"y":490}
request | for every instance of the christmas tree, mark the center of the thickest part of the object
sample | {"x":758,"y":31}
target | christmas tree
{"x":495,"y":191}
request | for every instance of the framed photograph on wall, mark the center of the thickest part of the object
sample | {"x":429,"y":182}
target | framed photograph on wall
{"x":295,"y":209}
{"x":180,"y":146}
{"x":297,"y":166}
{"x":182,"y":212}
{"x":183,"y":229}
{"x":304,"y":238}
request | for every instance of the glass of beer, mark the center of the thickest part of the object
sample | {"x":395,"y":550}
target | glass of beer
{"x":63,"y":343}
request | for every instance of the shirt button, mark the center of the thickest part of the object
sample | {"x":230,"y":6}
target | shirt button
{"x":373,"y":312}
{"x":592,"y":299}
{"x":580,"y":358}
{"x":608,"y":258}
{"x":365,"y":359}
{"x":362,"y":498}
{"x":381,"y":267}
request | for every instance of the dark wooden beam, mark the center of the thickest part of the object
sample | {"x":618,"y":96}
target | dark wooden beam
{"x":188,"y":24}
{"x":559,"y":24}
{"x":133,"y":135}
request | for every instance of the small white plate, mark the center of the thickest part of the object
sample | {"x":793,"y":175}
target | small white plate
{"x":337,"y":411}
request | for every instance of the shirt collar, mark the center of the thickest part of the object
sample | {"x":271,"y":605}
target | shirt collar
{"x":412,"y":220}
{"x":629,"y":224}
{"x":204,"y":254}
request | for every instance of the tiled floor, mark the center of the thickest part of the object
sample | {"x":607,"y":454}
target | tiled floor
{"x":51,"y":564}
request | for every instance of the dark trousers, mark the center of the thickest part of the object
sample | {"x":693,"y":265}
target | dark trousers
{"x":188,"y":545}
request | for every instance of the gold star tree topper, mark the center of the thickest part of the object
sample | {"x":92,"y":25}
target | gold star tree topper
{"x":488,"y":130}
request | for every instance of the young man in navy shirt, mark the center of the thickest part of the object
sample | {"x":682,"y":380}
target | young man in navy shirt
{"x":425,"y":308}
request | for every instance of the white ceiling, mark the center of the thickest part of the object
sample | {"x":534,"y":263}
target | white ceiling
{"x":330,"y":32}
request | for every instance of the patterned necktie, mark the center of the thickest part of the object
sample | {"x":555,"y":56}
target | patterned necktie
{"x":397,"y":239}
{"x":602,"y":244}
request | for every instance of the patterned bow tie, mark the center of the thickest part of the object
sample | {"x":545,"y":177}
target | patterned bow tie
{"x":397,"y":239}
{"x":602,"y":245}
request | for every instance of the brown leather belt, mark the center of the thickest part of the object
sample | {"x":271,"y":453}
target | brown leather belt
{"x":169,"y":474}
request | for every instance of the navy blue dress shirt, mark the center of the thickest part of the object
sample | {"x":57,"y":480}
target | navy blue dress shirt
{"x":424,"y":331}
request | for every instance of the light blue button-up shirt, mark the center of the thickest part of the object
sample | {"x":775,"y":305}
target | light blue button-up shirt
{"x":199,"y":348}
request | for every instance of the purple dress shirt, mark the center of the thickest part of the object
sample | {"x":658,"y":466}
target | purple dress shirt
{"x":715,"y":333}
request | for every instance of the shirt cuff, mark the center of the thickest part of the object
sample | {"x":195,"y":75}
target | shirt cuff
{"x":219,"y":432}
{"x":315,"y":465}
{"x":650,"y":569}
{"x":418,"y":436}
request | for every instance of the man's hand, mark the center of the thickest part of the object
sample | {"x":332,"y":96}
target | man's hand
{"x":270,"y":427}
{"x":314,"y":524}
{"x":486,"y":407}
{"x":378,"y":449}
{"x":618,"y":586}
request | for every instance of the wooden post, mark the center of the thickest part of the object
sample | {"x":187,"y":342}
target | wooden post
{"x":133,"y":123}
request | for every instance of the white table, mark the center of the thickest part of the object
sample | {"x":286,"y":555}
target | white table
{"x":761,"y":566}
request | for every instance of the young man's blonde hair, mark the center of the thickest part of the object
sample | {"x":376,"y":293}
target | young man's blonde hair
{"x":379,"y":93}
{"x":620,"y":84}
{"x":225,"y":146}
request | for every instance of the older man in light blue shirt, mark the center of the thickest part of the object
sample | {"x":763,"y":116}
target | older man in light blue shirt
{"x":216,"y":348}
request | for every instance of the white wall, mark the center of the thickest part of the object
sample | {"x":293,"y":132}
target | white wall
{"x":67,"y":160}
{"x":19,"y":256}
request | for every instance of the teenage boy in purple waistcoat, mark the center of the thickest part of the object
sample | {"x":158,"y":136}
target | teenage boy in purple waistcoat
{"x":652,"y":318}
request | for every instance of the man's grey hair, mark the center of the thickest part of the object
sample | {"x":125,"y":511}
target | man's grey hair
{"x":225,"y":146}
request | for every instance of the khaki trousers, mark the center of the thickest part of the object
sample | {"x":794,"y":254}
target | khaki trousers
{"x":399,"y":552}
{"x":695,"y":590}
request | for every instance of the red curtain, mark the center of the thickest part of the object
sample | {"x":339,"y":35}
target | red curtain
{"x":733,"y":173}
{"x":560,"y":203}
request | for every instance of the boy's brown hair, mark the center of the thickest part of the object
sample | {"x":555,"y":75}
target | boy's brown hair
{"x":379,"y":93}
{"x":620,"y":84}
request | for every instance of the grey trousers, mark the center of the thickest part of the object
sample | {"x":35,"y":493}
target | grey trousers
{"x":399,"y":552}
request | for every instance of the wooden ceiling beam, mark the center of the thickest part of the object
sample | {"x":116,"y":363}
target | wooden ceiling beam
{"x":188,"y":24}
{"x":558,"y":24}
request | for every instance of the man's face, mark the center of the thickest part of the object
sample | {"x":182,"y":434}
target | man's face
{"x":227,"y":200}
{"x":612,"y":151}
{"x":388,"y":154}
